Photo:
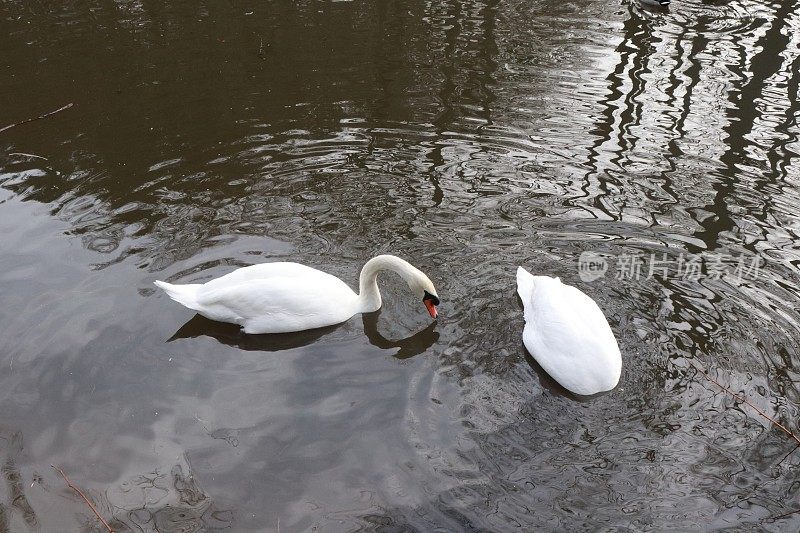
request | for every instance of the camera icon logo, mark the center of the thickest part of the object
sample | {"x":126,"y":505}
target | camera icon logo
{"x":591,"y":266}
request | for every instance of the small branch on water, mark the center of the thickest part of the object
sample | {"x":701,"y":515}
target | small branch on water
{"x":28,"y":155}
{"x":790,"y":513}
{"x":4,"y":128}
{"x":76,"y":489}
{"x":744,"y":400}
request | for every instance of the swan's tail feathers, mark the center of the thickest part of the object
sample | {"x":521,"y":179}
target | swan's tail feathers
{"x":186,"y":295}
{"x":524,"y":284}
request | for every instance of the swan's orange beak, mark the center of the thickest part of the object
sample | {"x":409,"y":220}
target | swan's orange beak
{"x":431,"y":308}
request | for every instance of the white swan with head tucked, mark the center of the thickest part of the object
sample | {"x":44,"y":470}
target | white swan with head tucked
{"x":568,"y":335}
{"x":284,"y":297}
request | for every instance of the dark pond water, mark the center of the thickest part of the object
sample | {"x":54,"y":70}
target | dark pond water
{"x":468,"y":137}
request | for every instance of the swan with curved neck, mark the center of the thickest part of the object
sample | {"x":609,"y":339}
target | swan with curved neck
{"x":284,"y":297}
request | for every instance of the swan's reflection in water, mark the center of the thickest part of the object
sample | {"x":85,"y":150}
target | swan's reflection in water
{"x":232,"y":335}
{"x":409,"y":347}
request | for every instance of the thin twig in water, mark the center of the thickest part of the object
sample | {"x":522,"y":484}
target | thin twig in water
{"x":744,"y":400}
{"x":4,"y":128}
{"x":28,"y":155}
{"x":76,"y":489}
{"x":784,"y":515}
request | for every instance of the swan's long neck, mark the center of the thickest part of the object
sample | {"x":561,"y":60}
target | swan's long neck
{"x":368,"y":294}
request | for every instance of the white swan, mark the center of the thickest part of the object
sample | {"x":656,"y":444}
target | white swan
{"x":568,"y":335}
{"x":284,"y":297}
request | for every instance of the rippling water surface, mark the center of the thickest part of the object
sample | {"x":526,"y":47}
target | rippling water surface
{"x":468,"y":137}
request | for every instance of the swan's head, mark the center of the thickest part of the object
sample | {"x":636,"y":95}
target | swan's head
{"x":417,"y":281}
{"x":423,"y":288}
{"x":431,"y":301}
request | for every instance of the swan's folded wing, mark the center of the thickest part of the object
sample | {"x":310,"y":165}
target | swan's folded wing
{"x":265,"y":271}
{"x":277,"y":298}
{"x":571,"y":339}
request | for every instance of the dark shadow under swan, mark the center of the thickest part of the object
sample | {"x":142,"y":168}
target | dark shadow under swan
{"x":232,"y":335}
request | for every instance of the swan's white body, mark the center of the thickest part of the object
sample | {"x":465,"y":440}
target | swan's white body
{"x":285,"y":297}
{"x":568,"y":335}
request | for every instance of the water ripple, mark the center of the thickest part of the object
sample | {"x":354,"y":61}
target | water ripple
{"x":469,"y":137}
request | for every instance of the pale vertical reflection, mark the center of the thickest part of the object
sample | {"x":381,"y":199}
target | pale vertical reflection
{"x":609,"y":131}
{"x":774,"y":137}
{"x":758,"y":52}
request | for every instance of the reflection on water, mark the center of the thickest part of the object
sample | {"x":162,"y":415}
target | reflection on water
{"x":16,"y":501}
{"x":169,"y":501}
{"x":232,"y":335}
{"x":468,"y":137}
{"x":410,"y":346}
